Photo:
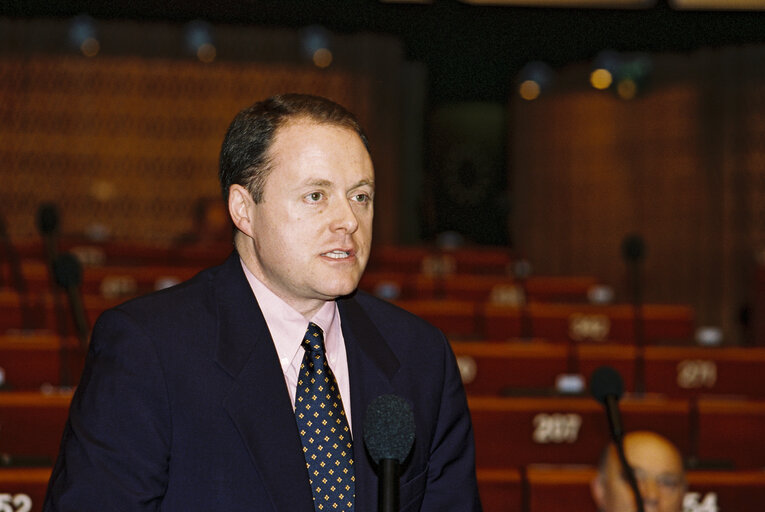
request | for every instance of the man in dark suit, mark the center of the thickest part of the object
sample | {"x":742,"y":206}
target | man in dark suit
{"x":188,"y":399}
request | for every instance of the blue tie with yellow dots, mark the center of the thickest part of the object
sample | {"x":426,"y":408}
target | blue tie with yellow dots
{"x":327,"y":443}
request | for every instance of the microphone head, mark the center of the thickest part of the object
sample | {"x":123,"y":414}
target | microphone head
{"x":389,"y":428}
{"x":47,"y":218}
{"x":605,"y":382}
{"x":67,"y":271}
{"x":633,"y":248}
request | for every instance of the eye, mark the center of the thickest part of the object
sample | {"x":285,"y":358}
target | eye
{"x":362,"y":198}
{"x":314,"y":197}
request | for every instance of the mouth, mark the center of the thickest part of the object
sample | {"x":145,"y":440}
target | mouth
{"x":338,"y":254}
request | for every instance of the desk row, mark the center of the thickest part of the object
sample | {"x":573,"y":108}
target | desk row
{"x":509,"y":432}
{"x":578,"y":323}
{"x":533,"y":489}
{"x":536,"y":367}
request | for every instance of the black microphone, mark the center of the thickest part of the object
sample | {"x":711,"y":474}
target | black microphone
{"x":633,"y":248}
{"x":68,"y":275}
{"x":633,"y":252}
{"x":607,"y":387}
{"x":389,"y":436}
{"x":47,"y":225}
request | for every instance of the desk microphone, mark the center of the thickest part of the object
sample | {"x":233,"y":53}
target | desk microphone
{"x":389,"y":436}
{"x":607,"y":387}
{"x":67,"y":272}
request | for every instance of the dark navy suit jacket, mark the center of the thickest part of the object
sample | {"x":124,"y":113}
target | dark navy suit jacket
{"x":183,"y":407}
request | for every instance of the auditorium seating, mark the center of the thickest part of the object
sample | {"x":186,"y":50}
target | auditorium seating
{"x":513,"y":341}
{"x":48,"y":310}
{"x":516,"y":431}
{"x":456,"y":318}
{"x":694,"y":371}
{"x":536,"y":489}
{"x":23,"y":489}
{"x":29,"y":362}
{"x":526,"y":367}
{"x":565,"y":488}
{"x":595,"y":323}
{"x":33,"y":423}
{"x":731,"y":431}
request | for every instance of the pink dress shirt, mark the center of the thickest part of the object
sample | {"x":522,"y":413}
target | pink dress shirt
{"x":287,"y":328}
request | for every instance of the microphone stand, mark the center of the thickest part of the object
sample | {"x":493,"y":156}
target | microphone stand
{"x":389,"y":475}
{"x":629,"y":473}
{"x":612,"y":408}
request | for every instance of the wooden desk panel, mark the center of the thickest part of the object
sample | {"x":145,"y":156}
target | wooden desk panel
{"x":616,"y":323}
{"x":694,"y":371}
{"x":620,"y":357}
{"x":500,"y":489}
{"x":457,"y":319}
{"x":44,"y":312}
{"x":32,"y":423}
{"x":24,"y":486}
{"x":512,"y":432}
{"x":32,"y":361}
{"x":732,"y":431}
{"x":498,"y":368}
{"x":565,"y":488}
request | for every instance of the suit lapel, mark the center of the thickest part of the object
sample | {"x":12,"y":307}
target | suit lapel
{"x":258,"y":402}
{"x":371,"y":365}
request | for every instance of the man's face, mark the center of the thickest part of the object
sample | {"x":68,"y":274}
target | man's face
{"x":658,"y":470}
{"x":312,"y":231}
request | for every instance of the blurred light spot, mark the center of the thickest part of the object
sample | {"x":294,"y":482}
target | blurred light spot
{"x":206,"y":53}
{"x":90,"y":47}
{"x":627,"y":89}
{"x":102,"y":190}
{"x":199,"y":41}
{"x":534,"y":79}
{"x":322,"y":58}
{"x":601,"y":79}
{"x":82,"y":35}
{"x":529,"y":90}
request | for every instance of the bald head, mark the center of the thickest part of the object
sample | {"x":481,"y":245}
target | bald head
{"x":658,"y":469}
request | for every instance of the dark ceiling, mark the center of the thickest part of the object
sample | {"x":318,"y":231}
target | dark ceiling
{"x":472,"y":52}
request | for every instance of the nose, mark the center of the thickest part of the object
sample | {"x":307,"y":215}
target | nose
{"x":344,"y":218}
{"x":650,"y":493}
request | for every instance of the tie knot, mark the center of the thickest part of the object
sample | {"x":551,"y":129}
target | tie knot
{"x":313,"y":341}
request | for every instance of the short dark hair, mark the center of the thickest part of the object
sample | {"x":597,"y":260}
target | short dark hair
{"x":244,"y":156}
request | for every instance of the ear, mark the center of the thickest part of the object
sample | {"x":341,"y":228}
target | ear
{"x":240,"y":208}
{"x":598,"y":492}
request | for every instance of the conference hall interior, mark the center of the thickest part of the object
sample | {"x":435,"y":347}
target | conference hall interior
{"x":561,"y":185}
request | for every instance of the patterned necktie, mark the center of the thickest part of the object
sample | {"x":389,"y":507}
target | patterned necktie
{"x":324,"y":431}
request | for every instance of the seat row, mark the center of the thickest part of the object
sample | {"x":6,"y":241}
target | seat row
{"x":130,"y":280}
{"x":510,"y":432}
{"x":530,"y":367}
{"x":535,"y":367}
{"x":530,"y":489}
{"x":650,"y":324}
{"x":409,"y":259}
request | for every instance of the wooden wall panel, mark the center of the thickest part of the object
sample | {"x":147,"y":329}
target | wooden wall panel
{"x":126,"y":145}
{"x":681,"y":164}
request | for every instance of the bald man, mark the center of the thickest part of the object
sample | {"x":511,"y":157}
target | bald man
{"x":658,"y":469}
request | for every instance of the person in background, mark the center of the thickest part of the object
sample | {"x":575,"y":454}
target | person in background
{"x":659,"y":472}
